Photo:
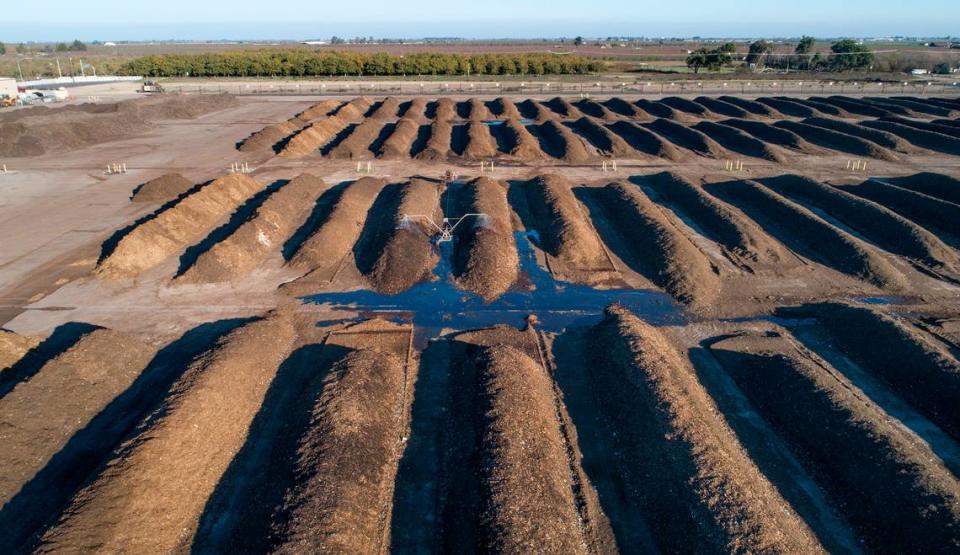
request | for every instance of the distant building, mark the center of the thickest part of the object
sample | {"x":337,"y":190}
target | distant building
{"x":8,"y":87}
{"x":108,"y":43}
{"x":919,"y":71}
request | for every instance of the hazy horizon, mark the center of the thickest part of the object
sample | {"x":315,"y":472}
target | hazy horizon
{"x":493,"y":19}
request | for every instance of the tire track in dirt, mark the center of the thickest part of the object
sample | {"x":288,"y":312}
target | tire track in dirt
{"x":885,"y":228}
{"x":803,"y":231}
{"x":938,"y":216}
{"x":742,"y":240}
{"x":923,"y":374}
{"x":681,"y":465}
{"x":867,"y":463}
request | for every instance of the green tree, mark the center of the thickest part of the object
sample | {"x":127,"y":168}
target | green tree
{"x":805,"y":46}
{"x":942,"y":68}
{"x":3,"y":48}
{"x":22,"y":48}
{"x":578,"y":41}
{"x":758,"y":53}
{"x":78,"y":46}
{"x":62,"y":47}
{"x":711,"y":58}
{"x":849,"y":54}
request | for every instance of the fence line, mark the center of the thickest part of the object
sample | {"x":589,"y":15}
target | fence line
{"x":600,"y":89}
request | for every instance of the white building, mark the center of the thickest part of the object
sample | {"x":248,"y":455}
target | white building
{"x":8,"y":87}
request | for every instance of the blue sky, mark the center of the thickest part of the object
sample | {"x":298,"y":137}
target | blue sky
{"x":298,"y":19}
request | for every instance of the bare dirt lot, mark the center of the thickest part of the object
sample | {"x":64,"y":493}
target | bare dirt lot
{"x":471,"y":324}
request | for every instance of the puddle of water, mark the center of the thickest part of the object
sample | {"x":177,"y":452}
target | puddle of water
{"x":882,"y":300}
{"x":439,"y":303}
{"x":495,"y":122}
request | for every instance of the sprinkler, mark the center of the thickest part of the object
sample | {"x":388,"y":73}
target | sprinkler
{"x":447,"y":225}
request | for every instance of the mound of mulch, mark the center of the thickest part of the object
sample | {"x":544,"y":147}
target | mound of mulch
{"x":44,"y":130}
{"x":355,"y":109}
{"x":506,"y":108}
{"x":920,"y":371}
{"x":524,"y":145}
{"x":406,"y":255}
{"x":320,"y":254}
{"x":486,"y":260}
{"x":313,"y":137}
{"x":357,"y":143}
{"x":806,"y":232}
{"x":415,"y":109}
{"x":13,"y":347}
{"x":606,"y":141}
{"x":735,"y":140}
{"x":59,"y":422}
{"x":481,"y":143}
{"x":387,"y":109}
{"x":151,"y":495}
{"x":271,"y":135}
{"x":319,"y":110}
{"x":162,"y":189}
{"x":740,"y":237}
{"x":168,"y":231}
{"x":261,"y":236}
{"x":528,"y":498}
{"x":564,"y":230}
{"x":400,"y":141}
{"x":479,"y":110}
{"x":445,"y":109}
{"x":438,"y":145}
{"x":643,"y":140}
{"x":345,"y":467}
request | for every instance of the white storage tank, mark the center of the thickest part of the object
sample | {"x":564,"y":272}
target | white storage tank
{"x":8,"y":87}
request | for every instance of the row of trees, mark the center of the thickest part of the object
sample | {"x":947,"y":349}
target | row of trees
{"x":304,"y":62}
{"x":22,"y":48}
{"x":845,"y":54}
